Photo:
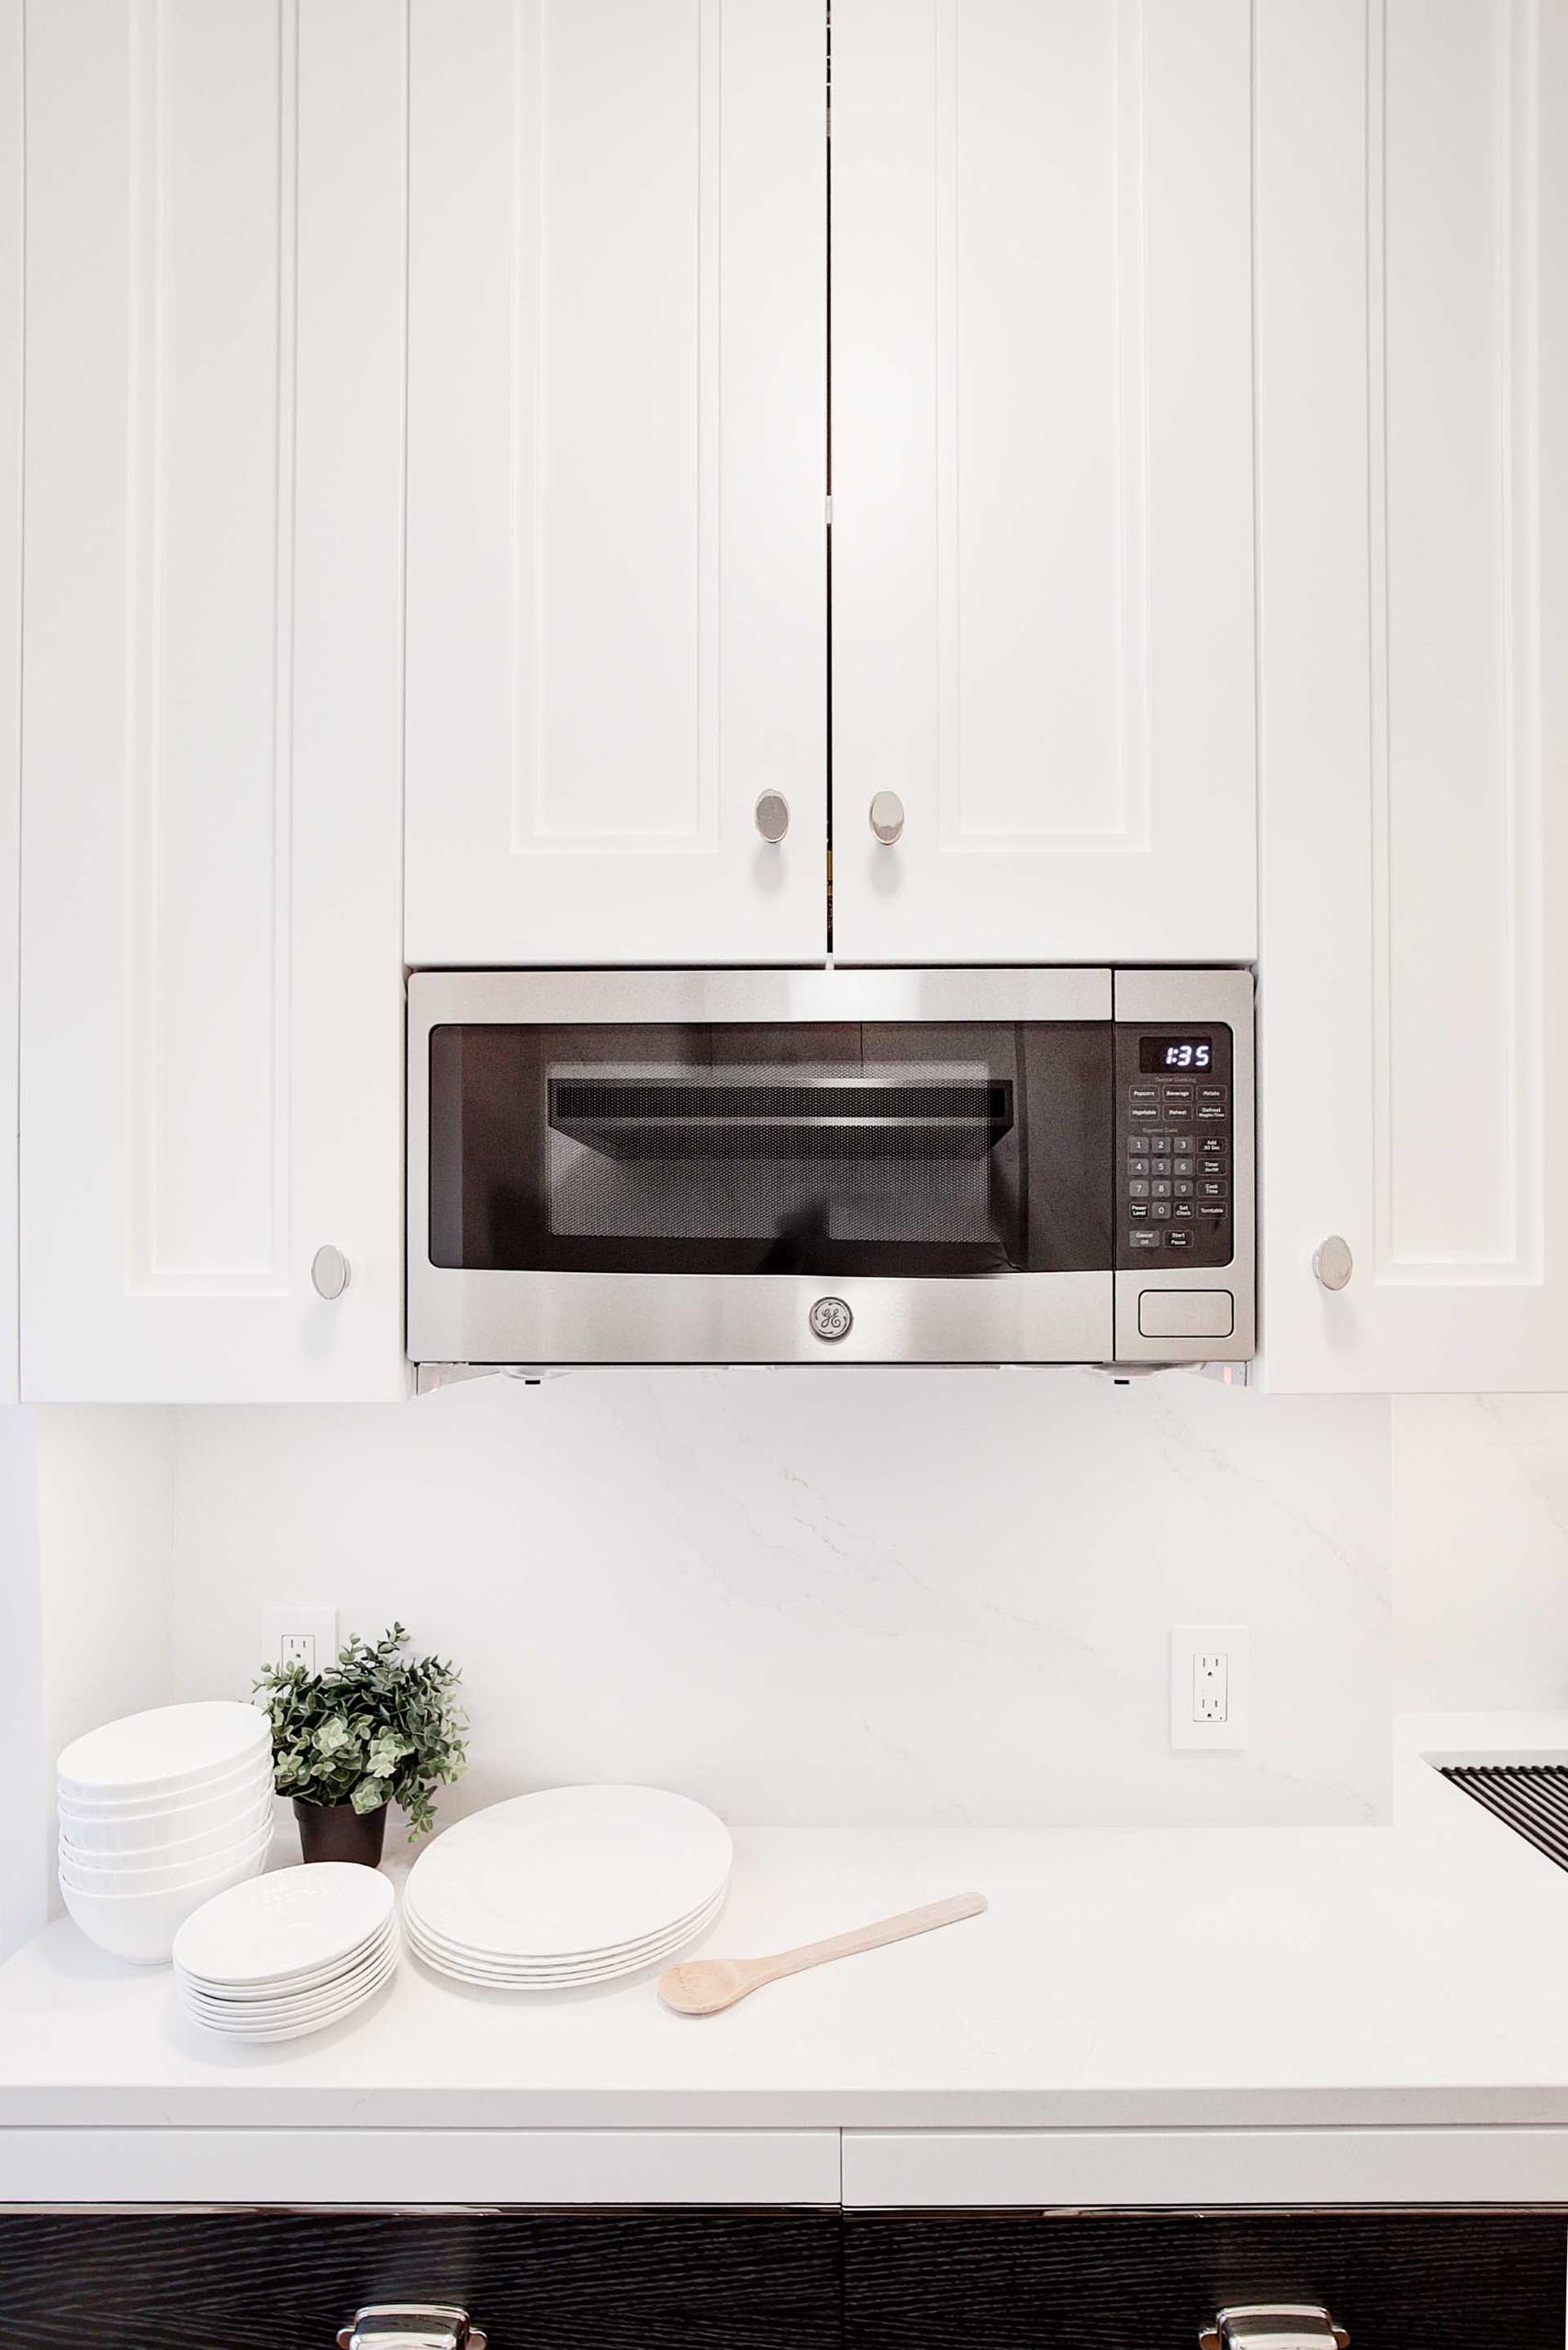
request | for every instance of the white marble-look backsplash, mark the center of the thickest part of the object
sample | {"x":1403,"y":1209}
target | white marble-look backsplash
{"x":855,"y":1596}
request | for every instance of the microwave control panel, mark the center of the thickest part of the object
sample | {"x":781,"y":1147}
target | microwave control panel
{"x":1175,"y":1160}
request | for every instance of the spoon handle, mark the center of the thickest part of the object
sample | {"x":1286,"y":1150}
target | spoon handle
{"x":885,"y":1929}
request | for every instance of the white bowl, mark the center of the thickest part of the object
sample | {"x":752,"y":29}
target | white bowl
{"x":109,"y":1876}
{"x":143,"y":1926}
{"x":168,"y":1751}
{"x":83,"y":1844}
{"x":126,"y":1827}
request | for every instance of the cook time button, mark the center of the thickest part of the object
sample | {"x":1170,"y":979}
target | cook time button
{"x":831,"y":1318}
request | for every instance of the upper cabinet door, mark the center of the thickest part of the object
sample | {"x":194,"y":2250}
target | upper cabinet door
{"x":10,"y":659}
{"x":212,"y":1024}
{"x":616,"y":473}
{"x":1412,"y":440}
{"x":1042,"y":496}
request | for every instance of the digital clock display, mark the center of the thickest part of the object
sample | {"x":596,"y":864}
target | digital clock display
{"x":1169,"y":1053}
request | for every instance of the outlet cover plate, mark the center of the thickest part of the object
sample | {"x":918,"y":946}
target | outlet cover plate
{"x":306,"y":1634}
{"x":1210,"y":1664}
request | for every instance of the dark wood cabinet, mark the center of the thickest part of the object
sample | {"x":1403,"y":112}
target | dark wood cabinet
{"x":1149,"y":2281}
{"x":684,"y":2279}
{"x":579,"y":2279}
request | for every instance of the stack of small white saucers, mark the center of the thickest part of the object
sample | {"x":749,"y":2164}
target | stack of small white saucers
{"x":158,"y":1812}
{"x":572,"y":1886}
{"x":291,"y":1954}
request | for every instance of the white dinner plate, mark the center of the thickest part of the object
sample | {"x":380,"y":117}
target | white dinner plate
{"x":566,"y":1958}
{"x":228,"y":2015}
{"x":251,"y":1995}
{"x":285,"y":1926}
{"x":163,"y":1751}
{"x":569,"y":1872}
{"x":295,"y":2031}
{"x":588,"y":1961}
{"x":496,"y":1978}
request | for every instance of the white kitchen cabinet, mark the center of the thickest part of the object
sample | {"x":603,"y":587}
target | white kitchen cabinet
{"x":10,"y":660}
{"x":212,"y":972}
{"x":616,"y":473}
{"x":1413,"y":450}
{"x":1043,"y":519}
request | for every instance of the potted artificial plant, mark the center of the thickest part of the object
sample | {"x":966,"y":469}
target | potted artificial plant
{"x":375,"y":1728}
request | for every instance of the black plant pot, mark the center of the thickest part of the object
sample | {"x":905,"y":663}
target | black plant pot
{"x":336,"y":1832}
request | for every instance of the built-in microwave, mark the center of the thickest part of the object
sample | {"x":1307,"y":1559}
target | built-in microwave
{"x":829,"y":1167}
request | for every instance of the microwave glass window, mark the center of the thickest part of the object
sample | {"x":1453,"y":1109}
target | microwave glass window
{"x":956,"y":1151}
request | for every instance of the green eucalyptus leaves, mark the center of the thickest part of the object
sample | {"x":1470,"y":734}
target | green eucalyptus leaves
{"x":374,"y":1728}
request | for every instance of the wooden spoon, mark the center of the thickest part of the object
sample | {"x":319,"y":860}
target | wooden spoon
{"x":703,"y":1985}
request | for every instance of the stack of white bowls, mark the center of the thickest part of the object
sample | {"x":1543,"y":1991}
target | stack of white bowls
{"x":292,"y":1954}
{"x":573,"y":1887}
{"x":158,"y":1812}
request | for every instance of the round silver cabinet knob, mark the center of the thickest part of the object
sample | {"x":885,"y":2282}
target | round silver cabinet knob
{"x":887,"y":817}
{"x":328,"y":1272}
{"x":1332,"y":1261}
{"x":772,"y":816}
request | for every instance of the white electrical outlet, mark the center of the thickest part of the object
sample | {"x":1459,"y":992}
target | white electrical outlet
{"x":307,"y":1635}
{"x":1209,"y":1674}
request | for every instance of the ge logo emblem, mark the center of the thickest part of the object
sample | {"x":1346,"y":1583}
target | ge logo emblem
{"x":831,"y":1318}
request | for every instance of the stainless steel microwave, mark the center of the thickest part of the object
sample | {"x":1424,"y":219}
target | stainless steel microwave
{"x":829,"y":1167}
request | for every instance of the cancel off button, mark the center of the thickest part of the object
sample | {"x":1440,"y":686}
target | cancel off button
{"x":1185,"y":1314}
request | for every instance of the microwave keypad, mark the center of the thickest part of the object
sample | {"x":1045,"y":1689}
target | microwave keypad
{"x":1174,"y":1163}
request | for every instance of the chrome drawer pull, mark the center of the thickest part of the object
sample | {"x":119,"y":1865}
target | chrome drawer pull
{"x":1274,"y":2325}
{"x":393,"y":2325}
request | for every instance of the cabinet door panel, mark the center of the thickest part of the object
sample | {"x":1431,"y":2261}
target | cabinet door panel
{"x":10,"y":659}
{"x":616,"y":474}
{"x":608,"y":2280}
{"x":1150,"y":2280}
{"x":211,"y":973}
{"x":1412,"y":444}
{"x":1043,"y":479}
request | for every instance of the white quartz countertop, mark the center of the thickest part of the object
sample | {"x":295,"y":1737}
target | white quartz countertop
{"x":1413,"y":1974}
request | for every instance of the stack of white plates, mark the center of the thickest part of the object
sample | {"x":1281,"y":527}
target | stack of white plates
{"x":157,"y":1813}
{"x":575,"y":1886}
{"x":291,"y":1954}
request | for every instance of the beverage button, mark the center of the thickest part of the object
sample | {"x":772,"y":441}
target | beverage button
{"x":1178,"y":1093}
